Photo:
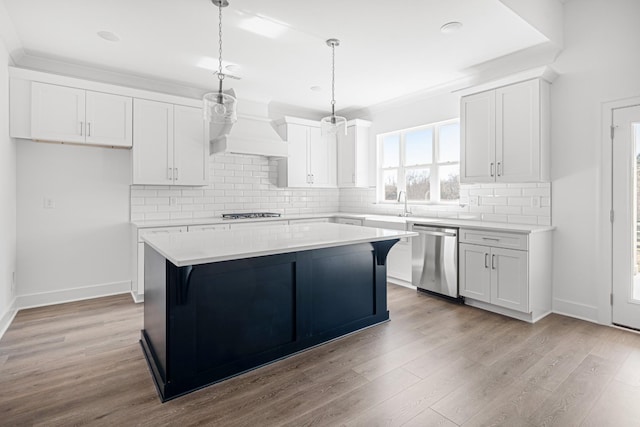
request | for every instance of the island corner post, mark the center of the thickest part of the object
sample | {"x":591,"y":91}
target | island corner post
{"x":208,"y":322}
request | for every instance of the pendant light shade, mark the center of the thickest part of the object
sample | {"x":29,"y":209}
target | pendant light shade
{"x":332,"y":124}
{"x":220,"y":107}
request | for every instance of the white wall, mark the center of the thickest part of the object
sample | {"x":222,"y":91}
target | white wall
{"x":80,"y":248}
{"x":600,"y":63}
{"x":7,"y":196}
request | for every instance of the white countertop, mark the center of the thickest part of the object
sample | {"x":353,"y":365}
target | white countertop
{"x":212,"y":246}
{"x":445,"y":222}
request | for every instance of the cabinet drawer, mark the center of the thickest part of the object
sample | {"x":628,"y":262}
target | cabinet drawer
{"x":208,"y":227}
{"x":308,"y":221}
{"x":495,"y":239}
{"x":159,"y":230}
{"x":349,"y":221}
{"x":257,"y":224}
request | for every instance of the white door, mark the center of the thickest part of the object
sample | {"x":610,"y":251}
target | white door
{"x":626,"y":259}
{"x":478,"y":137}
{"x":153,"y":142}
{"x":57,"y":113}
{"x":109,"y":119}
{"x":190,"y":148}
{"x":475,"y":272}
{"x":518,"y":132}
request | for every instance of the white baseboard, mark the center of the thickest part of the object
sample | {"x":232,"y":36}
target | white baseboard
{"x":70,"y":295}
{"x":400,"y":282}
{"x":7,"y":317}
{"x":576,"y":310}
{"x":137,"y":298}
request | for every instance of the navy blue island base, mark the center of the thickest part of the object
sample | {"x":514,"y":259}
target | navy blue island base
{"x":208,"y":322}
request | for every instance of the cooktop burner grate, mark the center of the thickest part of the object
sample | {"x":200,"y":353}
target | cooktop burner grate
{"x":250,"y":215}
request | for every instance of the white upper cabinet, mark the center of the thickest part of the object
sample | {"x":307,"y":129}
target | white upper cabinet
{"x":170,"y":144}
{"x":65,"y":114}
{"x":353,"y":155}
{"x":505,"y":134}
{"x":312,"y":157}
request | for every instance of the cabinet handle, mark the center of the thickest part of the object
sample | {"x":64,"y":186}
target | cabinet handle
{"x":492,"y":169}
{"x":175,"y":174}
{"x":491,"y":238}
{"x":353,"y":178}
{"x":170,"y":174}
{"x":499,"y":169}
{"x":88,"y":128}
{"x":81,"y":127}
{"x":312,"y":178}
{"x":493,"y":262}
{"x":486,"y":260}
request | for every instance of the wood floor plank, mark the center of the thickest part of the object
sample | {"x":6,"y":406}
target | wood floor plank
{"x":81,"y":364}
{"x":570,"y":403}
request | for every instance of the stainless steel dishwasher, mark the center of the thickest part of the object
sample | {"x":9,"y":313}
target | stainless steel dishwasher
{"x":434,"y":267}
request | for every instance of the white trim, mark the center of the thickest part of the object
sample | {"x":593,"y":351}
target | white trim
{"x":545,"y":73}
{"x":70,"y":295}
{"x":604,"y":237}
{"x":137,"y":298}
{"x":525,"y":317}
{"x":400,"y":282}
{"x":7,"y":317}
{"x":575,"y":310}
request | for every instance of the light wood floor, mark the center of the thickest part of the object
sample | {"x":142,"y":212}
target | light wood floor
{"x":434,"y":363}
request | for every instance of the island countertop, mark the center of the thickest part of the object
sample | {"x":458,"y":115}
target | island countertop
{"x":203,"y":247}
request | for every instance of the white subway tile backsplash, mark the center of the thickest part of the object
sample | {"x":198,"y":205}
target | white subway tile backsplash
{"x":248,"y":183}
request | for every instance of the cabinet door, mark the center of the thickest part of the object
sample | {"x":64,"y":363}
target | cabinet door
{"x":518,"y":132}
{"x":399,"y":261}
{"x":297,"y":162}
{"x":475,"y":272}
{"x":191,"y":150}
{"x":322,"y":158}
{"x":109,"y":119}
{"x":509,"y":284}
{"x":477,"y":133}
{"x":347,"y":158}
{"x":57,"y":113}
{"x":152,"y":142}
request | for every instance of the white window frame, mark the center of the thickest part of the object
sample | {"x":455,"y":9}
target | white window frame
{"x":434,"y":166}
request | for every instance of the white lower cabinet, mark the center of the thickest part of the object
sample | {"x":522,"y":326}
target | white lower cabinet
{"x":308,"y":221}
{"x":399,"y":257}
{"x":515,"y":282}
{"x":137,"y":287}
{"x":208,"y":227}
{"x":348,"y":221}
{"x":257,"y":224}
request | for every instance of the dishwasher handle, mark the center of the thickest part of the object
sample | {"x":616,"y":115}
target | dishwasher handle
{"x":431,"y":232}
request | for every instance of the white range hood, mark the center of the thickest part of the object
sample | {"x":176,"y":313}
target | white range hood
{"x":251,"y":134}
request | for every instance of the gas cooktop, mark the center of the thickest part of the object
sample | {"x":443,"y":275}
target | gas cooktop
{"x":250,"y":215}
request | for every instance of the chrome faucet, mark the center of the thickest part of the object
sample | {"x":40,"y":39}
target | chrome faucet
{"x":406,"y":211}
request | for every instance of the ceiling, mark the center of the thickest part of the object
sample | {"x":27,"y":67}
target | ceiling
{"x":388,"y":48}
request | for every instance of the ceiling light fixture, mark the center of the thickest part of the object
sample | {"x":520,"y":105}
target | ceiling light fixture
{"x":108,"y":36}
{"x":220,"y":107}
{"x":331,"y":124}
{"x":451,"y":27}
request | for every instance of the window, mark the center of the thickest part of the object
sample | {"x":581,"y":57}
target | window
{"x":423,"y":161}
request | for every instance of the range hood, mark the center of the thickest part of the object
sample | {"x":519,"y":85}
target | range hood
{"x":251,"y":134}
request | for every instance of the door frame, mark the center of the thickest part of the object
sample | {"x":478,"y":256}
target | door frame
{"x":604,"y":239}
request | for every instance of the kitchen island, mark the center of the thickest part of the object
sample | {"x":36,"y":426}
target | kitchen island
{"x":219,"y":303}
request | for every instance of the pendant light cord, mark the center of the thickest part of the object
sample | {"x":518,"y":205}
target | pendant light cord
{"x":333,"y":79}
{"x":220,"y":75}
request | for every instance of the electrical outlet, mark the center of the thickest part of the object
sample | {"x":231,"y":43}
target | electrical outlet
{"x":49,"y":203}
{"x":535,"y":201}
{"x":474,"y":200}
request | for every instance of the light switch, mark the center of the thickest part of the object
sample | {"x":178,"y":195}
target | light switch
{"x":49,"y":203}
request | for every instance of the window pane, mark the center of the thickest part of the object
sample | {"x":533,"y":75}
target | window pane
{"x":419,"y":147}
{"x":449,"y":148}
{"x":390,"y":182}
{"x":391,"y":151}
{"x":450,"y":182}
{"x":418,"y":186}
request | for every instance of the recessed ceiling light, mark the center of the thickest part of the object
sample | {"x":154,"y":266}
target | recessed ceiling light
{"x":316,"y":88}
{"x":109,"y":36}
{"x":451,"y":27}
{"x":232,"y":68}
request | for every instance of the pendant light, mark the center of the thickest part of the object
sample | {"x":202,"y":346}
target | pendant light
{"x":330,"y":125}
{"x":220,"y":107}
